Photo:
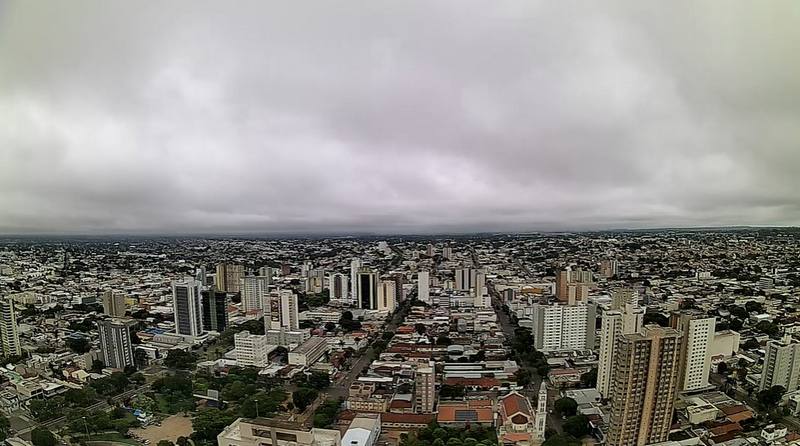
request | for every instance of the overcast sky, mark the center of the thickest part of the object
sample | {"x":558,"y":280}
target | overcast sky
{"x":403,"y":116}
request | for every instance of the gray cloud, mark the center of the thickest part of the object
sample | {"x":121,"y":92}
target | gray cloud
{"x":397,"y":116}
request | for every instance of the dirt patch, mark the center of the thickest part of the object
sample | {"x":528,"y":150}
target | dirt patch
{"x":171,"y":428}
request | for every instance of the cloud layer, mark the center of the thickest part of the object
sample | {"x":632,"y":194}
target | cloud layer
{"x":397,"y":116}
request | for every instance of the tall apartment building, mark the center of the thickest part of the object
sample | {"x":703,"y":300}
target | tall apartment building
{"x":255,"y":290}
{"x":463,"y":279}
{"x":187,"y":307}
{"x":425,"y":388}
{"x":228,"y":277}
{"x":564,"y":327}
{"x":355,"y":267}
{"x":215,"y":310}
{"x":9,"y":332}
{"x":116,"y":344}
{"x":480,"y":284}
{"x":562,"y":285}
{"x":315,"y":282}
{"x":608,"y":268}
{"x":387,"y":296}
{"x":573,"y":285}
{"x":698,"y":334}
{"x":367,"y":281}
{"x":615,"y":323}
{"x":281,"y":311}
{"x":447,"y":252}
{"x":646,"y":377}
{"x":268,"y":272}
{"x":622,"y":296}
{"x":781,"y":365}
{"x":113,"y":304}
{"x":251,"y":350}
{"x":337,"y":286}
{"x":423,"y":286}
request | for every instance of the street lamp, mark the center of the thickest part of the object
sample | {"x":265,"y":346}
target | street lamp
{"x":256,"y":400}
{"x":86,"y":426}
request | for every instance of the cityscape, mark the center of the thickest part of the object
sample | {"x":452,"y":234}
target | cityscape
{"x":668,"y":338}
{"x":399,"y":223}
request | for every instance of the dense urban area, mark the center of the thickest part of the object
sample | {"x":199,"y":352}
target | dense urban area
{"x":668,"y":338}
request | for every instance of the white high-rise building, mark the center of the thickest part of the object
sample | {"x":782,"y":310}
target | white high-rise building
{"x":337,"y":286}
{"x":698,"y":333}
{"x":255,"y":289}
{"x":615,"y":323}
{"x":281,"y":311}
{"x":563,"y":327}
{"x":251,"y":350}
{"x":355,"y":266}
{"x":425,"y":388}
{"x":116,"y":342}
{"x":187,"y":307}
{"x":9,"y":334}
{"x":480,"y":284}
{"x":387,"y":295}
{"x":781,"y":365}
{"x":423,"y":286}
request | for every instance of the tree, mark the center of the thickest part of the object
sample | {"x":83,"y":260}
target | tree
{"x":754,"y":307}
{"x":183,"y":441}
{"x":656,"y":318}
{"x":43,"y":437}
{"x":179,"y":359}
{"x":208,"y":423}
{"x":303,"y":396}
{"x":736,"y":324}
{"x":751,"y":344}
{"x":443,"y":340}
{"x":330,"y":326}
{"x":165,"y":443}
{"x":319,"y":380}
{"x":566,"y":407}
{"x":722,"y":368}
{"x":769,"y":398}
{"x":577,"y":426}
{"x":420,"y":328}
{"x":561,"y":440}
{"x":523,"y":377}
{"x":5,"y":427}
{"x":768,"y":328}
{"x":738,"y":311}
{"x":589,"y":379}
{"x":452,"y":391}
{"x":79,"y":344}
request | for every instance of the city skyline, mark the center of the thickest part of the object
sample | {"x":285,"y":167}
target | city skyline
{"x":408,"y":118}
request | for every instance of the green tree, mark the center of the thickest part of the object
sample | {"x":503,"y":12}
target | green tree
{"x":79,"y":344}
{"x":165,"y":443}
{"x":523,"y":377}
{"x":769,"y":398}
{"x":179,"y":359}
{"x":561,"y":440}
{"x":589,"y":379}
{"x":43,"y":437}
{"x":208,"y":423}
{"x":303,"y":397}
{"x":577,"y":426}
{"x":319,"y":380}
{"x":565,"y":407}
{"x":5,"y":427}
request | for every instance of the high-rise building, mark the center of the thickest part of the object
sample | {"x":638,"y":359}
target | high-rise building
{"x":228,"y":277}
{"x":698,"y":334}
{"x":387,"y":296}
{"x":268,"y":272}
{"x":622,"y":296}
{"x":447,"y":252}
{"x":9,"y":332}
{"x":254,"y":292}
{"x":251,"y":350}
{"x":315,"y":282}
{"x":564,"y":327}
{"x":355,"y":266}
{"x":480,"y":284}
{"x":615,"y":323}
{"x":423,"y":286}
{"x":337,"y":286}
{"x":187,"y":307}
{"x":781,"y":365}
{"x":646,"y":375}
{"x":429,"y":251}
{"x":608,"y":268}
{"x":113,"y":304}
{"x":425,"y":388}
{"x":562,"y":285}
{"x":116,"y":344}
{"x":367,"y":281}
{"x":464,"y":279}
{"x":215,"y":310}
{"x":399,"y":280}
{"x":541,"y":414}
{"x":281,"y":311}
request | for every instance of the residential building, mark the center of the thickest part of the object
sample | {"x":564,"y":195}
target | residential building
{"x":387,"y":296}
{"x":564,"y":327}
{"x":337,"y":285}
{"x":355,"y":267}
{"x":698,"y":334}
{"x":646,"y":379}
{"x":9,"y":331}
{"x":228,"y":277}
{"x":281,"y":311}
{"x":608,"y":268}
{"x":367,"y":281}
{"x":781,"y":365}
{"x":425,"y":388}
{"x":113,"y":304}
{"x":423,"y":286}
{"x":255,"y":290}
{"x":116,"y":346}
{"x":614,"y":324}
